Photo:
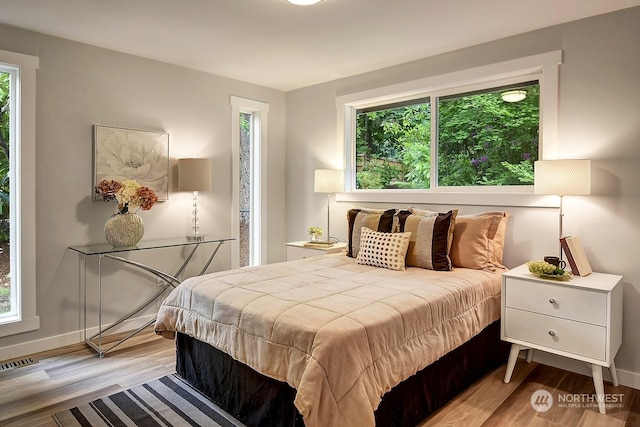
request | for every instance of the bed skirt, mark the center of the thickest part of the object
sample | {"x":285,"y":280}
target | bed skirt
{"x":257,"y":400}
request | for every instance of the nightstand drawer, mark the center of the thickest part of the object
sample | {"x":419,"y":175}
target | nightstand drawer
{"x":294,"y":253}
{"x":568,"y":302}
{"x":566,"y":335}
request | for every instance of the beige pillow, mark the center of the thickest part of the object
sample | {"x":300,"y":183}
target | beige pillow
{"x":386,"y":250}
{"x":478,"y":240}
{"x":498,"y":242}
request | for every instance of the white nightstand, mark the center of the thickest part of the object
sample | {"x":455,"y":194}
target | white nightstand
{"x":297,"y":250}
{"x":580,"y":318}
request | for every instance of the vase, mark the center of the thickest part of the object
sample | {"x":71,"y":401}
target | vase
{"x":124,"y":229}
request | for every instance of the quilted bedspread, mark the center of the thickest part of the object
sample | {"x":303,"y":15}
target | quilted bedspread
{"x":340,"y":333}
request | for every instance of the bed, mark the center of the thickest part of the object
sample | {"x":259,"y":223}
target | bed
{"x":345,"y":339}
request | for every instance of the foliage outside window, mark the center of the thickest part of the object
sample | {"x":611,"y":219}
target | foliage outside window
{"x":5,"y":280}
{"x":480,"y":139}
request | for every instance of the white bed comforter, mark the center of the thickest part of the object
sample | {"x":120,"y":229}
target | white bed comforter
{"x":340,"y":333}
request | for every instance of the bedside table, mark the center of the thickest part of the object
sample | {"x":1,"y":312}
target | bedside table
{"x":297,"y":250}
{"x":580,"y":318}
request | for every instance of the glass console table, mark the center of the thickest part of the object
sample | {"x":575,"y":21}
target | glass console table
{"x":167,"y":281}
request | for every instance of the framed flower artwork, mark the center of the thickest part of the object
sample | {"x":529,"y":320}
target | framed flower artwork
{"x":121,"y":154}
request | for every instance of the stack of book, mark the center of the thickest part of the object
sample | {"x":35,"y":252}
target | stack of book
{"x":576,"y":257}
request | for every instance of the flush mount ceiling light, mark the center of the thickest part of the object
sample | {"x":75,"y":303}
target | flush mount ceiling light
{"x":513,"y":95}
{"x":303,"y":2}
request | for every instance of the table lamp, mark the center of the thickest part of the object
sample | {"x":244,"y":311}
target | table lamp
{"x":562,"y":178}
{"x":194,"y":175}
{"x":329,"y":181}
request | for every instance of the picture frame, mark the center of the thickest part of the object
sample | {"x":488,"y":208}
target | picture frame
{"x":121,"y":154}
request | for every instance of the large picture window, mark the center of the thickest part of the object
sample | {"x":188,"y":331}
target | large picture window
{"x":485,"y":138}
{"x":489,"y":137}
{"x":474,"y":131}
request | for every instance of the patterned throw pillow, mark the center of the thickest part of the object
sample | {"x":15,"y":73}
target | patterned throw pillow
{"x":386,"y":250}
{"x":431,"y":238}
{"x":375,"y":219}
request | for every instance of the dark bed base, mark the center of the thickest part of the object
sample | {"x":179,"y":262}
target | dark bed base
{"x":257,"y":400}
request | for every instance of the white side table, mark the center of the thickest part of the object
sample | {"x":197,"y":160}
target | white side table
{"x":580,"y":318}
{"x":297,"y":250}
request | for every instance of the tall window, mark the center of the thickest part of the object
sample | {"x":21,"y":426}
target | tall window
{"x":7,"y":292}
{"x":429,"y":139}
{"x":246,"y":237}
{"x":17,"y":193}
{"x":248,"y":210}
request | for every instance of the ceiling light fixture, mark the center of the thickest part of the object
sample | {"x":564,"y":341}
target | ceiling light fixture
{"x":513,"y":95}
{"x":303,"y":2}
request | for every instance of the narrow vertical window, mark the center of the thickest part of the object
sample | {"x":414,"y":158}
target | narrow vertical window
{"x":248,"y":207}
{"x":8,"y":293}
{"x":17,"y":193}
{"x":245,"y":190}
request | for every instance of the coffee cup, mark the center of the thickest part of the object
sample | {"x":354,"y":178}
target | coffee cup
{"x":555,"y":261}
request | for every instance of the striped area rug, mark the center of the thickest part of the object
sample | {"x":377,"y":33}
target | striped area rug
{"x":167,"y":401}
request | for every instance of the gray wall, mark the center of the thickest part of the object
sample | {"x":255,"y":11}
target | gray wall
{"x":598,"y":119}
{"x":78,"y":86}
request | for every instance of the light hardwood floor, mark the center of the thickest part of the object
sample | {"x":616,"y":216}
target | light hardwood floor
{"x":65,"y":377}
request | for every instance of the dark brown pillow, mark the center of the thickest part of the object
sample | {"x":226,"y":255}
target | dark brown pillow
{"x":431,"y":237}
{"x":375,"y":219}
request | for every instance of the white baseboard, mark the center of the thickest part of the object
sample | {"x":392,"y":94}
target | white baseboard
{"x":75,"y":337}
{"x":626,"y":378}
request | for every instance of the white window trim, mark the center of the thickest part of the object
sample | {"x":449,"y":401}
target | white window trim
{"x":546,"y":68}
{"x":23,"y":194}
{"x":259,"y":111}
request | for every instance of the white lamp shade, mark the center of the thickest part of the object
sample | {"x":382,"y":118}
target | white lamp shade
{"x":562,"y":177}
{"x":194,"y":174}
{"x":329,"y":181}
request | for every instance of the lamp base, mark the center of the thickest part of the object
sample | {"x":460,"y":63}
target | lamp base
{"x":195,"y":238}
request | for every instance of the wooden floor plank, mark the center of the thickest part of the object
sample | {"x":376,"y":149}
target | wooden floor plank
{"x":73,"y":375}
{"x":473,"y":406}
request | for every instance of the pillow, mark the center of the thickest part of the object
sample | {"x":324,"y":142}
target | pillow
{"x":478,"y":240}
{"x":431,"y":238}
{"x":375,"y":219}
{"x":386,"y":250}
{"x":497,"y":242}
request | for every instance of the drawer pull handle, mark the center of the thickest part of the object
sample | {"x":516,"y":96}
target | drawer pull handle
{"x":553,"y":334}
{"x":552,"y":300}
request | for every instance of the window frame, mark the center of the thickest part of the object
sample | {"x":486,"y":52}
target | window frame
{"x":259,"y":112}
{"x":23,"y":187}
{"x":543,"y":67}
